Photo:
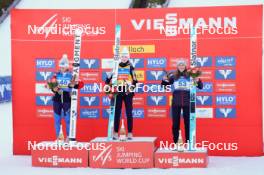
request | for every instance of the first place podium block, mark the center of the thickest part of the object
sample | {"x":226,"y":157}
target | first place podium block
{"x":51,"y":154}
{"x":135,"y":153}
{"x":165,"y":158}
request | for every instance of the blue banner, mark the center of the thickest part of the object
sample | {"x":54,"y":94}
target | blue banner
{"x":5,"y":89}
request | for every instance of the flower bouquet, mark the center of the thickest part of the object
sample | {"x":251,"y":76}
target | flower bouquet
{"x":194,"y":72}
{"x":52,"y":83}
{"x":110,"y":90}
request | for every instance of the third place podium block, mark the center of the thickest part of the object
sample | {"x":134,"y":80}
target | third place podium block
{"x":135,"y":153}
{"x":165,"y":158}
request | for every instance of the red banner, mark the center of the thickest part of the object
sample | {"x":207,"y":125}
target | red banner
{"x":229,"y":108}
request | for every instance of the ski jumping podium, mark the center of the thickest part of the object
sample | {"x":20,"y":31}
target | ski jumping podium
{"x":135,"y":153}
{"x":165,"y":158}
{"x":51,"y":154}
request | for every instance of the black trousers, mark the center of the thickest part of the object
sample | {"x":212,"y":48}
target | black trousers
{"x":128,"y":100}
{"x":176,"y":115}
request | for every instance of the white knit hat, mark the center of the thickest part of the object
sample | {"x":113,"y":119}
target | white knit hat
{"x":182,"y":61}
{"x":125,"y":52}
{"x":64,"y":62}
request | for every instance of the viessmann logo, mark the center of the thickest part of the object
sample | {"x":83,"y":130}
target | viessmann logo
{"x":172,"y":24}
{"x":56,"y":160}
{"x":176,"y":161}
{"x":64,"y":26}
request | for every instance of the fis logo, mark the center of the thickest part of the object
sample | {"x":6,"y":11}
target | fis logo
{"x":225,"y":100}
{"x":207,"y":87}
{"x":89,"y":113}
{"x":156,"y":62}
{"x":89,"y":63}
{"x":225,"y":61}
{"x":44,"y":100}
{"x":138,"y":113}
{"x":204,"y":100}
{"x":155,"y":75}
{"x":225,"y":112}
{"x":42,"y":63}
{"x":225,"y":74}
{"x":90,"y":89}
{"x":204,"y":61}
{"x":106,"y":101}
{"x":137,"y":62}
{"x":89,"y":101}
{"x":106,"y":112}
{"x":43,"y":75}
{"x":156,"y":100}
{"x":103,"y":156}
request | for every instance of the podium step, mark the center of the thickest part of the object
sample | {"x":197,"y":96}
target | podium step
{"x":135,"y":153}
{"x":165,"y":158}
{"x":50,"y":154}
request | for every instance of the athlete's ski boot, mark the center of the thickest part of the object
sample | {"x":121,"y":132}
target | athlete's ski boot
{"x":129,"y":136}
{"x":115,"y":136}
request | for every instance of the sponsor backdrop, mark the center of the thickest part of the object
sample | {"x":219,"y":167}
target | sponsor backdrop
{"x":229,"y":53}
{"x":5,"y":89}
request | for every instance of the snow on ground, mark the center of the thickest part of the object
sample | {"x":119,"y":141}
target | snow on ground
{"x":22,"y":164}
{"x":10,"y":164}
{"x":6,"y":129}
{"x":217,"y":166}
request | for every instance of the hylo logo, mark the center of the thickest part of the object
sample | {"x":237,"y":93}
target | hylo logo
{"x":45,"y":63}
{"x":156,"y":63}
{"x":226,"y":100}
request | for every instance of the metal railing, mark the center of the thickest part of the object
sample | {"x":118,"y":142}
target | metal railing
{"x":7,"y":11}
